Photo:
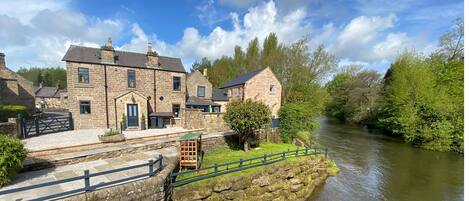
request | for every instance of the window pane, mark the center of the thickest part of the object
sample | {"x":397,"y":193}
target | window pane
{"x":85,"y":107}
{"x":176,"y":110}
{"x":176,"y":83}
{"x":83,"y":75}
{"x":201,"y":91}
{"x":131,"y":79}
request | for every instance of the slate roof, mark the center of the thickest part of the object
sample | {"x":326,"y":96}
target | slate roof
{"x":219,"y":95}
{"x":130,"y":59}
{"x":192,"y":100}
{"x":48,"y":92}
{"x":242,"y":78}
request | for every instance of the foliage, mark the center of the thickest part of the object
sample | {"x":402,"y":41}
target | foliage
{"x":12,"y":111}
{"x":48,"y":76}
{"x":123,"y":122}
{"x":112,"y":131}
{"x":245,"y":117}
{"x":354,"y":94}
{"x":452,"y":42}
{"x":305,"y":137}
{"x":12,"y":154}
{"x":422,"y":105}
{"x":296,"y":117}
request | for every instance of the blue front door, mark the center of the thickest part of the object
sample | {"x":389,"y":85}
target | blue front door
{"x":132,"y":115}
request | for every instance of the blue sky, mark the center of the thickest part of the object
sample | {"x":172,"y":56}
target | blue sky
{"x":369,"y":33}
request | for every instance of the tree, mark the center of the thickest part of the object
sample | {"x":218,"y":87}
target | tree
{"x":322,"y":63}
{"x":245,"y":117}
{"x":452,"y":42}
{"x":295,"y":118}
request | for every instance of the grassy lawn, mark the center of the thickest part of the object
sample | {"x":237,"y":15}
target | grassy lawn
{"x":225,"y":155}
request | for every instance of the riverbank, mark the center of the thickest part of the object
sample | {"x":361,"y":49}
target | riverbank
{"x":289,"y":180}
{"x":294,"y":178}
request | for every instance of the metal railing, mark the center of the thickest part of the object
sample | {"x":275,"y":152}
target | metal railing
{"x":220,"y":169}
{"x":86,"y":177}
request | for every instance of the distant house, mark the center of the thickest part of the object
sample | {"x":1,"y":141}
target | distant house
{"x":109,"y":88}
{"x":14,"y":89}
{"x":261,"y":85}
{"x":220,"y":97}
{"x":199,"y":92}
{"x":50,"y":98}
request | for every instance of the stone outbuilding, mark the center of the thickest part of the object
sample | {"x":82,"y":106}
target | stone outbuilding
{"x":14,"y":89}
{"x":261,"y":85}
{"x":199,"y":92}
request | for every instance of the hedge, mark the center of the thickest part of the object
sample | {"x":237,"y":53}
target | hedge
{"x":12,"y":154}
{"x":12,"y":111}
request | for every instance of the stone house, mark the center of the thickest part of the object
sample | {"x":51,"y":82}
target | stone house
{"x":108,"y":88}
{"x":261,"y":85}
{"x":199,"y":92}
{"x":14,"y":89}
{"x":50,"y":98}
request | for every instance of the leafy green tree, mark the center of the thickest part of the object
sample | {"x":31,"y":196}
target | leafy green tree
{"x":245,"y":117}
{"x":295,"y":118}
{"x":452,"y":42}
{"x":49,"y":76}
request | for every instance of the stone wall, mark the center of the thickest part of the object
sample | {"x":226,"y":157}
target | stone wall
{"x":228,"y":139}
{"x":10,"y":128}
{"x":289,"y":180}
{"x":150,"y":189}
{"x":196,"y":119}
{"x":258,"y":88}
{"x":14,"y":89}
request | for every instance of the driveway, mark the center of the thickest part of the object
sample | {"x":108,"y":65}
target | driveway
{"x":86,"y":136}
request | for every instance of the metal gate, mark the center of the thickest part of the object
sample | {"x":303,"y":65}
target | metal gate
{"x":46,"y":123}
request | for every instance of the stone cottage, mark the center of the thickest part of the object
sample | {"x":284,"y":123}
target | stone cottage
{"x":199,"y":92}
{"x":50,"y":98}
{"x":261,"y":85}
{"x":14,"y":89}
{"x":108,"y":88}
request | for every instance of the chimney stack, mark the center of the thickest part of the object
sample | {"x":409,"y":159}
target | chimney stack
{"x":2,"y":60}
{"x":152,"y":57}
{"x":205,"y":72}
{"x":107,"y":52}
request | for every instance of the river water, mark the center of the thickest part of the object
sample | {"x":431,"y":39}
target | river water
{"x":375,"y":166}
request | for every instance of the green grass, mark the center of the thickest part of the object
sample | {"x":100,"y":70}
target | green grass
{"x":225,"y":155}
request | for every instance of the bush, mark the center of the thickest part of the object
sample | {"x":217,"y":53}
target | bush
{"x":111,"y":131}
{"x":12,"y":154}
{"x":12,"y":111}
{"x":296,"y":117}
{"x":245,"y":117}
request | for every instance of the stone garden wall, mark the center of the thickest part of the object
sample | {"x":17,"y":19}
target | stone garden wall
{"x":150,"y":189}
{"x":211,"y":122}
{"x":9,"y":128}
{"x":289,"y":180}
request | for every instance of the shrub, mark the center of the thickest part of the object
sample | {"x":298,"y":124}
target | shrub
{"x":112,"y":131}
{"x":296,"y":117}
{"x":12,"y":154}
{"x":12,"y":111}
{"x":245,"y":117}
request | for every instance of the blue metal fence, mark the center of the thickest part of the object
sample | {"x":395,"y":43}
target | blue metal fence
{"x":87,"y":176}
{"x":220,"y":169}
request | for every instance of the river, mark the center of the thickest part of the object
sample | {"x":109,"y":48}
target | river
{"x":375,"y":166}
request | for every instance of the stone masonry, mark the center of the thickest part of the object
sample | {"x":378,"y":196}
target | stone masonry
{"x":153,"y":84}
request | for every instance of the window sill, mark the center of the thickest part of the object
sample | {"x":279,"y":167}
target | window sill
{"x":177,"y":118}
{"x":83,"y":85}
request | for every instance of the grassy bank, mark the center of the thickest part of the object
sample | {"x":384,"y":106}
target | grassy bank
{"x":225,"y":155}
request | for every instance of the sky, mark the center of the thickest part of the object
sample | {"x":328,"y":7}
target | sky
{"x":364,"y":32}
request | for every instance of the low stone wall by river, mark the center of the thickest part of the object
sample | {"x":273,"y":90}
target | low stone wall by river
{"x":289,"y":180}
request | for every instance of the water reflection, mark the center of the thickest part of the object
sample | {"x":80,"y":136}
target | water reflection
{"x":378,"y":167}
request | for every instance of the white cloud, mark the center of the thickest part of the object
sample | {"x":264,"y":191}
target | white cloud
{"x":42,"y":36}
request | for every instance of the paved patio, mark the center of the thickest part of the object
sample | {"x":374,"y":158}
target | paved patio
{"x":68,"y":171}
{"x":87,"y":136}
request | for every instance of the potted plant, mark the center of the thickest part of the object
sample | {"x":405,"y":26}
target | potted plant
{"x":111,"y":135}
{"x":143,"y":122}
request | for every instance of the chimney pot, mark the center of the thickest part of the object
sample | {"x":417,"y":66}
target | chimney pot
{"x":205,"y":72}
{"x":2,"y":60}
{"x":109,"y":42}
{"x":150,"y":49}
